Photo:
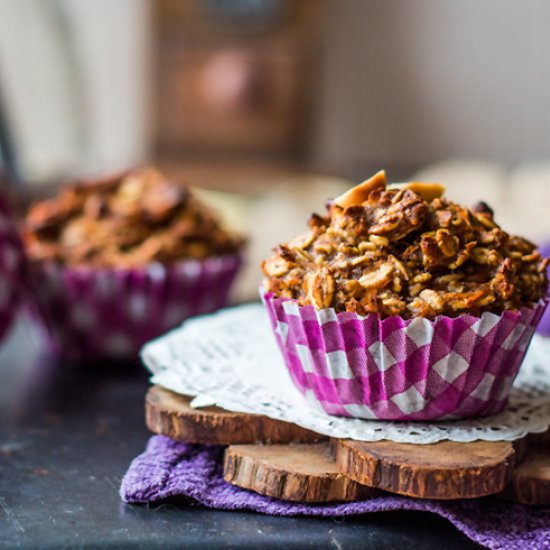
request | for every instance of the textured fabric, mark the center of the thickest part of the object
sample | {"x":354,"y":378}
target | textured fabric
{"x":170,"y":469}
{"x":110,"y":313}
{"x":11,"y":267}
{"x":396,"y":369}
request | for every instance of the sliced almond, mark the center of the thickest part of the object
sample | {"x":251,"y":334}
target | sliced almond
{"x":422,"y":278}
{"x":302,"y":241}
{"x":377,"y":278}
{"x":358,"y":260}
{"x":321,"y":289}
{"x":302,"y":254}
{"x":448,"y":244}
{"x":428,"y":191}
{"x":380,"y":241}
{"x":276,"y":267}
{"x":359,"y":194}
{"x":433,"y":298}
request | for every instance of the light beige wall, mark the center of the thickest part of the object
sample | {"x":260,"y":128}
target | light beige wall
{"x":413,"y":81}
{"x":75,"y":77}
{"x":36,"y":86}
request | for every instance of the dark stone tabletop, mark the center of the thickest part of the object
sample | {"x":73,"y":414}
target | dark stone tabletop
{"x":67,"y":435}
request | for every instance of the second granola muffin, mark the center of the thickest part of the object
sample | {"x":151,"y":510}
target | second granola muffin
{"x":401,"y":304}
{"x":118,"y":261}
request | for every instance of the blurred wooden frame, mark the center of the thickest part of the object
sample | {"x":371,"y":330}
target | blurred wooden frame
{"x":229,"y":88}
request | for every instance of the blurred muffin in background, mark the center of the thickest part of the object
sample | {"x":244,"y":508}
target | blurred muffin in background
{"x":120,"y":260}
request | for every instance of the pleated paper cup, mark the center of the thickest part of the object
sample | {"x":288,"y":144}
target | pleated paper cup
{"x":109,"y":313}
{"x":543,"y":327}
{"x":402,"y":369}
{"x":12,"y":268}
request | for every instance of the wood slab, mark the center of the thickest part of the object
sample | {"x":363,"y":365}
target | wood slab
{"x":170,"y":414}
{"x":299,"y":473}
{"x":446,"y":470}
{"x":530,"y":483}
{"x":539,"y":440}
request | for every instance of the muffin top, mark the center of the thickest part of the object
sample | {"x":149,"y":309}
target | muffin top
{"x":405,"y":250}
{"x":126,"y":220}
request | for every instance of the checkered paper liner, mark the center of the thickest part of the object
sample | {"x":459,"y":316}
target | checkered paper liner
{"x":544,"y":325}
{"x":397,"y":369}
{"x":230,"y":359}
{"x":110,"y":313}
{"x":12,"y":266}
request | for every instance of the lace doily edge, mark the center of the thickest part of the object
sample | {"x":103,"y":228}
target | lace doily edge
{"x":438,"y":434}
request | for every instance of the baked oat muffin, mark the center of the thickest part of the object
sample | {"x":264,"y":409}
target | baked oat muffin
{"x":399,"y":304}
{"x":117,"y":262}
{"x":406,"y":250}
{"x":127,"y":220}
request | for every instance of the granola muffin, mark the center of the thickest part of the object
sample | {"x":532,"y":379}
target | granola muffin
{"x":400,"y":304}
{"x":118,"y":261}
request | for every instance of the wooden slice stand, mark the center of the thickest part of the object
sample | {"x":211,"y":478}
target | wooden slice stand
{"x":530,"y":483}
{"x":285,"y":461}
{"x":445,"y":470}
{"x":297,"y":472}
{"x":170,"y":414}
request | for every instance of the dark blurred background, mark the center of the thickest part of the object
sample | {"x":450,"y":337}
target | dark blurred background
{"x":254,"y":99}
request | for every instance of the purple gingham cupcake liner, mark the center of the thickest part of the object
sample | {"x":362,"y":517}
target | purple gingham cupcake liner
{"x":12,"y":268}
{"x":110,"y":313}
{"x":544,"y":325}
{"x":397,"y":369}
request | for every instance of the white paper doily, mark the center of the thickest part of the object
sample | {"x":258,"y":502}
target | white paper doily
{"x":230,"y":359}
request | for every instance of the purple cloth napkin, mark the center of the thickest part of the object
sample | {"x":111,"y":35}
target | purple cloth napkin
{"x":169,"y":469}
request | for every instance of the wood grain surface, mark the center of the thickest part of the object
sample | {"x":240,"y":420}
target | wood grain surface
{"x":170,"y":414}
{"x":530,"y":483}
{"x":300,"y":473}
{"x":445,"y":470}
{"x":305,"y":470}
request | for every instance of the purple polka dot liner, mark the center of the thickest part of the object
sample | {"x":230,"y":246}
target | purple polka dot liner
{"x":397,"y":369}
{"x":110,"y":313}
